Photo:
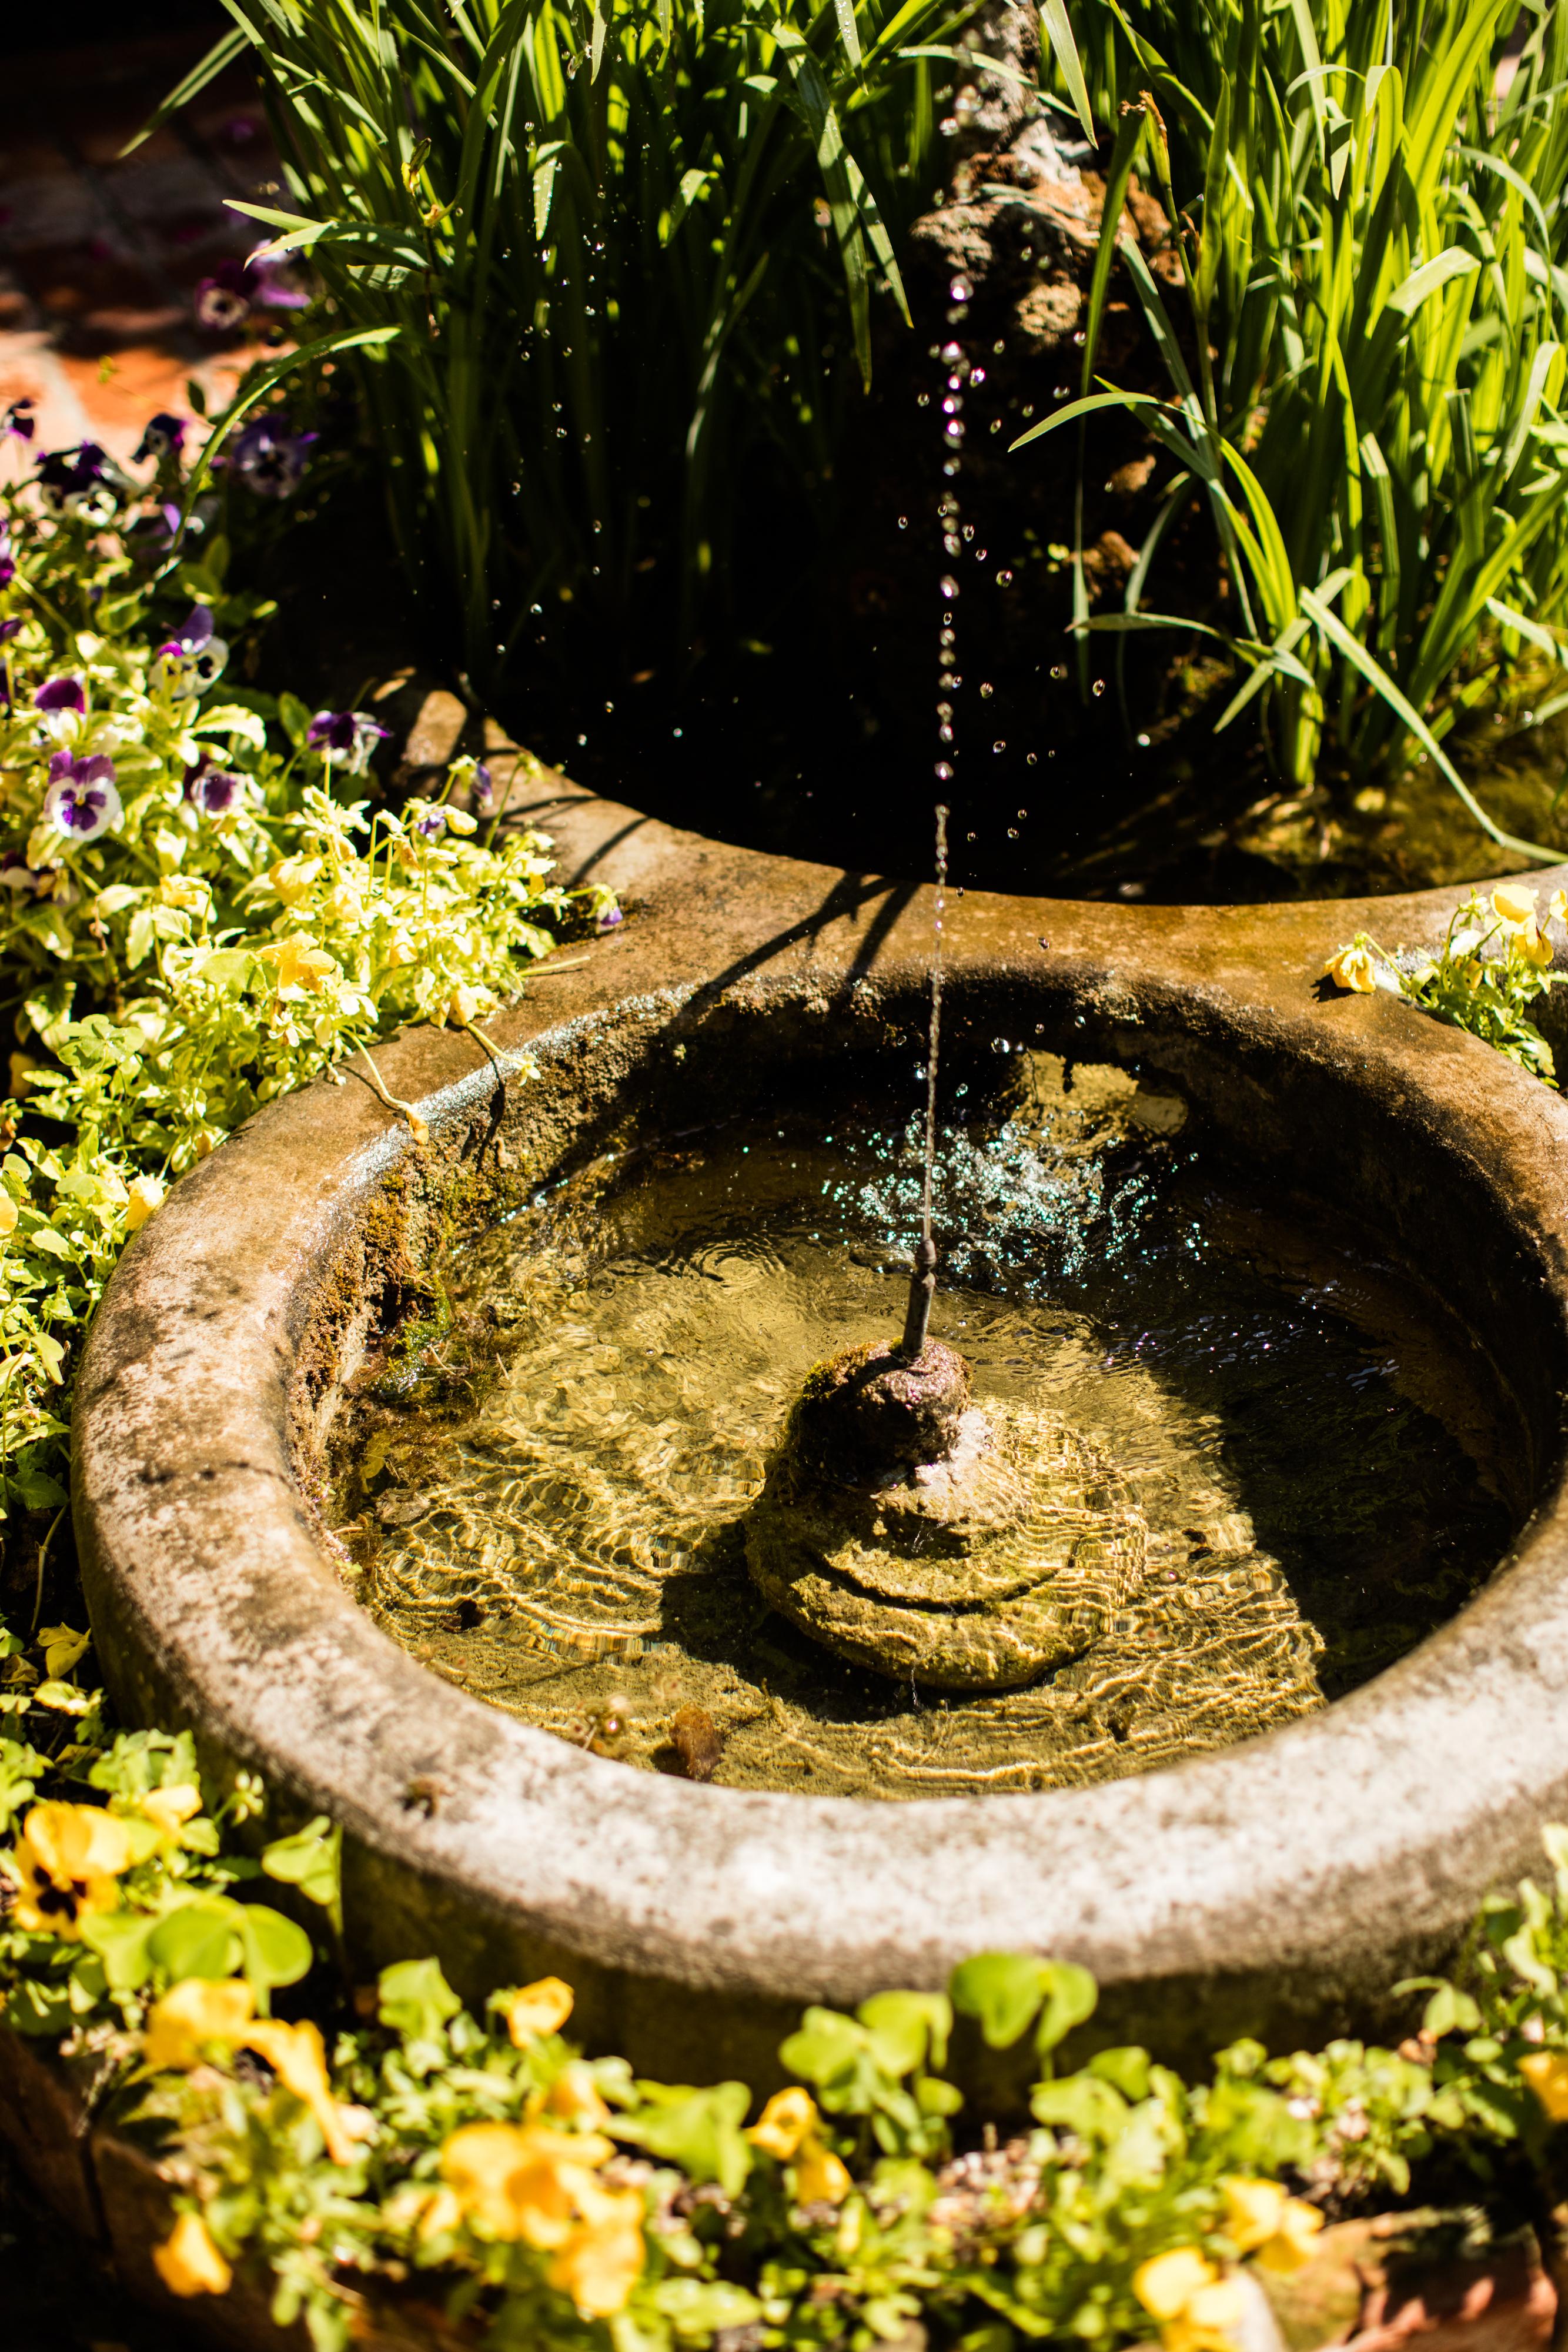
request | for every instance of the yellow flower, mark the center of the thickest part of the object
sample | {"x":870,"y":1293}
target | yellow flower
{"x":574,"y":2099}
{"x":199,"y":2011}
{"x":522,"y":2180}
{"x":63,"y":1648}
{"x":293,"y":878}
{"x":297,"y":964}
{"x":1197,"y":2310}
{"x":1533,"y":946}
{"x":785,"y":2123}
{"x":344,"y":904}
{"x":9,"y":1213}
{"x":443,"y":2213}
{"x":144,"y":1195}
{"x":1260,"y":2219}
{"x":297,"y":2058}
{"x":535,"y":2009}
{"x":788,"y":2128}
{"x":1354,"y":968}
{"x":169,"y":1808}
{"x":818,"y":2177}
{"x":184,"y":891}
{"x":188,"y":2262}
{"x":466,"y":1004}
{"x":602,"y":2260}
{"x":1557,"y":907}
{"x":1513,"y":904}
{"x":68,"y":1858}
{"x":1546,"y":2072}
{"x":1471,"y":972}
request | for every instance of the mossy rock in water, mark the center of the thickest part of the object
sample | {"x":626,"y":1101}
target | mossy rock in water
{"x":978,"y":1573}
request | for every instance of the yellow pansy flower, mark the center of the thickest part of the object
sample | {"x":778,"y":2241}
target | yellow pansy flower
{"x":9,"y":1213}
{"x":602,"y":2258}
{"x":790,"y":2129}
{"x":63,"y":1647}
{"x":1196,"y":2308}
{"x":1513,"y":904}
{"x":1557,"y":907}
{"x":170,"y":1807}
{"x":297,"y":2057}
{"x":192,"y":2013}
{"x":521,"y":2180}
{"x":67,"y":1861}
{"x":144,"y":1196}
{"x":1533,"y":946}
{"x":1260,"y":2220}
{"x":1546,"y":2072}
{"x":298,"y":964}
{"x":575,"y":2099}
{"x":1354,"y":968}
{"x":188,"y":2262}
{"x":535,"y":2009}
{"x":443,"y":2213}
{"x":293,"y":878}
{"x":785,"y":2122}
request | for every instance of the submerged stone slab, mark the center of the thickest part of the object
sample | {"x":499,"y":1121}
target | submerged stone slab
{"x":1278,"y":1887}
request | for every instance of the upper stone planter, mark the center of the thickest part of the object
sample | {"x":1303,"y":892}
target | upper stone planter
{"x":1277,"y":1887}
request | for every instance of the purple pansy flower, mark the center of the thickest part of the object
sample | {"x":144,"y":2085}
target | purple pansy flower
{"x":8,"y":629}
{"x":82,"y":799}
{"x":164,"y":436}
{"x":431,"y":824}
{"x":212,"y":790}
{"x":60,"y":694}
{"x":484,"y":788}
{"x":20,"y":421}
{"x":226,"y":298}
{"x":8,"y":556}
{"x":195,"y":657}
{"x":611,"y":918}
{"x":270,"y":456}
{"x":346,"y":735}
{"x":79,"y":481}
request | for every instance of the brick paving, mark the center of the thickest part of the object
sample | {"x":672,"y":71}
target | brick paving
{"x":100,"y":254}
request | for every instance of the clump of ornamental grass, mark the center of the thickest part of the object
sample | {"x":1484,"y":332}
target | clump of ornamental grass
{"x":201,"y":906}
{"x":627,"y":258}
{"x":1364,"y":354}
{"x":1494,"y":965}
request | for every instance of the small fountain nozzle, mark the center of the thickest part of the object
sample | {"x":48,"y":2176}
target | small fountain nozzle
{"x":922,"y":1289}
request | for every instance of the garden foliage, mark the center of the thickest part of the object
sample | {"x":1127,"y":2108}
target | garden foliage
{"x":560,"y":2203}
{"x":1364,"y":355}
{"x":199,"y":907}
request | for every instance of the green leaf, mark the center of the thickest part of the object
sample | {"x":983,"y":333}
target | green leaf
{"x":198,"y":1938}
{"x":311,"y":1860}
{"x":1126,"y":2068}
{"x":1059,"y":32}
{"x":698,"y":2308}
{"x":1080,"y":2104}
{"x":1003,"y":1989}
{"x":294,"y":718}
{"x":1070,"y":1996}
{"x":699,"y":2130}
{"x":277,"y":1951}
{"x":1451,"y":2012}
{"x":122,"y":1940}
{"x":908,"y":2030}
{"x":415,"y":1999}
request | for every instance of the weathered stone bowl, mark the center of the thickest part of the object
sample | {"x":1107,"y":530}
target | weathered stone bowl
{"x":1279,"y":1887}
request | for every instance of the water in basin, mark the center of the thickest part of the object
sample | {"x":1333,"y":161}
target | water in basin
{"x":548,"y":1504}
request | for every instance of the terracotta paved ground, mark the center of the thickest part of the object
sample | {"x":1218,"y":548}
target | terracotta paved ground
{"x":100,"y":258}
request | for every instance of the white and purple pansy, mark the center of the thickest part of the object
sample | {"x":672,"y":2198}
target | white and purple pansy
{"x":215,"y":790}
{"x":82,"y":481}
{"x":193,"y":658}
{"x":82,"y":799}
{"x":345,"y":736}
{"x":18,"y":422}
{"x":162,"y":436}
{"x":236,"y":288}
{"x":269,"y":457}
{"x":8,"y":556}
{"x":60,"y":694}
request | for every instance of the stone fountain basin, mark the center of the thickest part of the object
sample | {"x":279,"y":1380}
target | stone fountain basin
{"x":1278,"y":1887}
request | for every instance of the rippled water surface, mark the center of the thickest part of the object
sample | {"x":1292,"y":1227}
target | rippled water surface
{"x":548,"y":1504}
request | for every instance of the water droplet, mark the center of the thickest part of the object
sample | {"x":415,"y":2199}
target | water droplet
{"x":903,"y":522}
{"x":1144,"y":739}
{"x":951,"y":352}
{"x":986,"y":692}
{"x":960,"y":290}
{"x":944,"y":774}
{"x":1059,"y":670}
{"x":949,"y":585}
{"x":1012,"y":833}
{"x":999,"y":747}
{"x":1004,"y":579}
{"x":1098,"y":686}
